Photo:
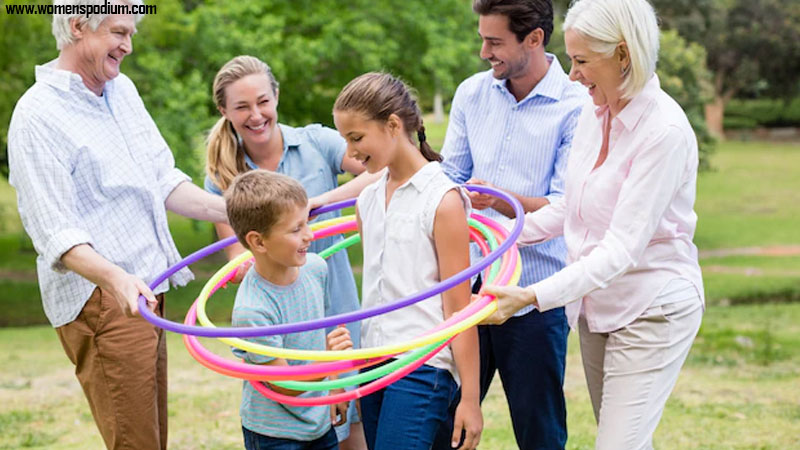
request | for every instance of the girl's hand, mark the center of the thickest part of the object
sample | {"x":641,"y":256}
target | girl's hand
{"x":510,"y":299}
{"x":470,"y":420}
{"x":339,"y":339}
{"x":338,"y":410}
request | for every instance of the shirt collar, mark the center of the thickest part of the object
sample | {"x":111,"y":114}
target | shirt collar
{"x":291,"y":141}
{"x":423,"y":176}
{"x":635,"y":109}
{"x":551,"y":85}
{"x":64,"y":80}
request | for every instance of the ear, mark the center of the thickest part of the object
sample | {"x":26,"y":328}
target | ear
{"x":255,"y":241}
{"x":277,"y":95}
{"x":222,"y":111}
{"x":623,"y":56}
{"x":76,"y":28}
{"x":534,"y":39}
{"x":394,"y":124}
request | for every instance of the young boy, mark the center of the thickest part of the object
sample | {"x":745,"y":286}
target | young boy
{"x":269,"y":213}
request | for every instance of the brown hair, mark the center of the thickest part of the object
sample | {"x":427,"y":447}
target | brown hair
{"x":224,"y":151}
{"x":379,"y":95}
{"x":257,"y":199}
{"x":524,"y":16}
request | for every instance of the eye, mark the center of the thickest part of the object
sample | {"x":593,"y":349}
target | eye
{"x":356,"y":139}
{"x":262,"y":102}
{"x":241,"y":107}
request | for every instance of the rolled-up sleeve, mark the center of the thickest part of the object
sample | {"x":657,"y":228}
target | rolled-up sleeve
{"x":45,"y":194}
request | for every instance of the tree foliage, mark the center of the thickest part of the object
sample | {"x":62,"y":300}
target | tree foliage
{"x":314,"y":49}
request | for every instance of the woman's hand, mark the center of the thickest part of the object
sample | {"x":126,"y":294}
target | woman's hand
{"x":339,"y":339}
{"x":241,"y":271}
{"x":510,"y":299}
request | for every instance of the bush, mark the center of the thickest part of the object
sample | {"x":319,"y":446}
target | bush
{"x":764,"y":112}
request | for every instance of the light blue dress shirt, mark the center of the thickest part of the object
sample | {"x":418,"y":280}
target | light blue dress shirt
{"x":313,"y":155}
{"x":520,"y":146}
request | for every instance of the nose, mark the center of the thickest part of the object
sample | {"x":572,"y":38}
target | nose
{"x":255,"y":112}
{"x":308,"y":235}
{"x":485,"y":53}
{"x":127,"y":45}
{"x":573,"y":74}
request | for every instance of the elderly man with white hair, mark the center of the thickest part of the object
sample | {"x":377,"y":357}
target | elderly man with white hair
{"x":94,"y":180}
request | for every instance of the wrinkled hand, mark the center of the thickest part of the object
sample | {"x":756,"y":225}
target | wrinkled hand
{"x":510,"y":299}
{"x":469,"y":419}
{"x":125,"y":289}
{"x":481,"y":201}
{"x":339,"y":339}
{"x":338,"y":410}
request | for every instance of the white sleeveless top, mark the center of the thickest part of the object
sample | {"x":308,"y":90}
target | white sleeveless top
{"x":400,"y":258}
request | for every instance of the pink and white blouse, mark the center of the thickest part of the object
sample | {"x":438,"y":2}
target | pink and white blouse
{"x":628,"y":223}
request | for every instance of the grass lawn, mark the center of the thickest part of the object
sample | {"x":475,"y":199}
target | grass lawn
{"x":738,"y":389}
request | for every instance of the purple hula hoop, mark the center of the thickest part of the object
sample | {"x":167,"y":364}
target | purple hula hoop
{"x":325,"y":322}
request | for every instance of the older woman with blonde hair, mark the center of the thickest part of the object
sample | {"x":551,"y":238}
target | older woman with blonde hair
{"x":633,"y":284}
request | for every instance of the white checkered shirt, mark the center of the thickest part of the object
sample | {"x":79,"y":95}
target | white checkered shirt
{"x":91,"y":170}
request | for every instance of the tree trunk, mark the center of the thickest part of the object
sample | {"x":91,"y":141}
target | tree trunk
{"x":438,"y":107}
{"x":715,"y":111}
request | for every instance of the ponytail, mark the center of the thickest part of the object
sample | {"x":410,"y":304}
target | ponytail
{"x":224,"y":155}
{"x":425,"y":148}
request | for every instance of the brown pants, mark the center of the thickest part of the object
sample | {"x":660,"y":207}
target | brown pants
{"x":121,"y":364}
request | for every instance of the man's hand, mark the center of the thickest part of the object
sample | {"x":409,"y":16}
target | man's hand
{"x":469,"y":419}
{"x":481,"y":201}
{"x":125,"y":289}
{"x":510,"y":299}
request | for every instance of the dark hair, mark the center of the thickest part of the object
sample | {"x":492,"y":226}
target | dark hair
{"x":524,"y":16}
{"x":379,"y":95}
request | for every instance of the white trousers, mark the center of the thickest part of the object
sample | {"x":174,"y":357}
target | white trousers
{"x":630,"y":372}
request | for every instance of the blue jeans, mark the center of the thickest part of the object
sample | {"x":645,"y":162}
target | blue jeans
{"x":406,"y":414}
{"x":255,"y":441}
{"x":530,"y":354}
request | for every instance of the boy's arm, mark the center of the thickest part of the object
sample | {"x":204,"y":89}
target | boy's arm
{"x":451,"y":238}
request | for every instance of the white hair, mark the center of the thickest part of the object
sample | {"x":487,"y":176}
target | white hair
{"x":61,"y":22}
{"x":607,"y":23}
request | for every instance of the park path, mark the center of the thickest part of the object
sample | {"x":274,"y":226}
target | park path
{"x":775,"y":250}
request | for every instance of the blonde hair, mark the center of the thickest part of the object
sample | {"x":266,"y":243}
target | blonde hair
{"x":256,"y":200}
{"x":224,"y":150}
{"x":607,"y":23}
{"x":379,"y":95}
{"x":61,"y":22}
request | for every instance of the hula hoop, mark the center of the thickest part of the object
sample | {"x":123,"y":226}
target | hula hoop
{"x":340,"y":318}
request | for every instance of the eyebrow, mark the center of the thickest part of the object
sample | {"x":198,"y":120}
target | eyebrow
{"x":240,"y":102}
{"x":490,"y":38}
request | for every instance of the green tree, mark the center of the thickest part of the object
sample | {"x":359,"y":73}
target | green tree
{"x":751,"y":46}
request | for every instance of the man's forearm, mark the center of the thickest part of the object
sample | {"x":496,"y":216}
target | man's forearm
{"x":529,"y":204}
{"x":190,"y":201}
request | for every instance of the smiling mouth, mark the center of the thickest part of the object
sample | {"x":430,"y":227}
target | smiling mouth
{"x":364,"y":161}
{"x":258,"y":128}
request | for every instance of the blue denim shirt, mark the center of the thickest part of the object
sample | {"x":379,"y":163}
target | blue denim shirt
{"x":313,"y":155}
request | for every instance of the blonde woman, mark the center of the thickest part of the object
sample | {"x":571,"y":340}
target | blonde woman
{"x":633,"y":284}
{"x":248,"y":136}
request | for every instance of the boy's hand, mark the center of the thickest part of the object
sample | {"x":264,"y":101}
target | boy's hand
{"x":338,"y":410}
{"x":339,"y":339}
